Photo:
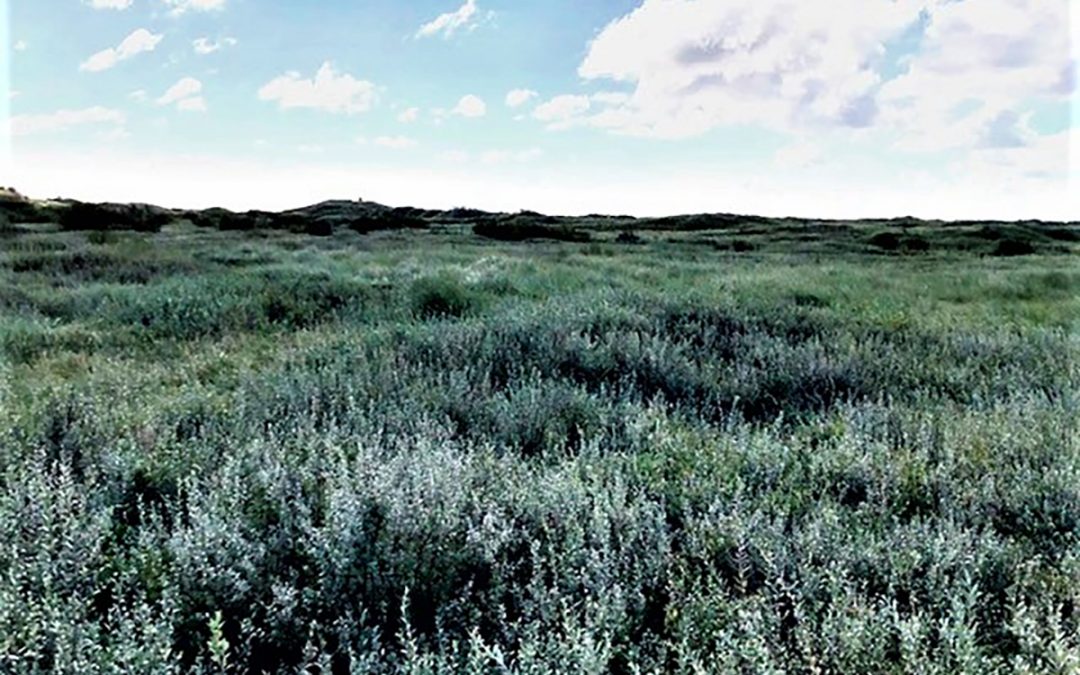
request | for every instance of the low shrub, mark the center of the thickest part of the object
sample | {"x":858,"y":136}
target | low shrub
{"x":101,"y":237}
{"x":393,"y":219}
{"x":1013,"y":247}
{"x":916,"y":245}
{"x":886,"y":241}
{"x":525,"y":227}
{"x":105,"y":217}
{"x":441,"y":297}
{"x":319,"y":228}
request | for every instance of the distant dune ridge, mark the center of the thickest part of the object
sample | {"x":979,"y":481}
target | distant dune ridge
{"x":887,"y":235}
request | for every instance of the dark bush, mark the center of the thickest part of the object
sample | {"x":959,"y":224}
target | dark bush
{"x":220,"y":219}
{"x":705,"y":221}
{"x":1063,"y":233}
{"x":107,"y":217}
{"x":18,"y":209}
{"x":886,"y":241}
{"x":629,"y":237}
{"x":394,"y":219}
{"x":319,"y":228}
{"x":916,"y":245}
{"x":813,"y":300}
{"x":1013,"y":247}
{"x":524,"y":227}
{"x":461,"y":213}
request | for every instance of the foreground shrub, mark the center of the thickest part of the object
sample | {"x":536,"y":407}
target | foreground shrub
{"x":186,"y":309}
{"x":319,"y":458}
{"x":441,"y":297}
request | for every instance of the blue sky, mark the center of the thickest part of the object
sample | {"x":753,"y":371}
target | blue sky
{"x":937,"y":108}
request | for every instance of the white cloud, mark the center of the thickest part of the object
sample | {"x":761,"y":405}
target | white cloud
{"x":185,"y":88}
{"x":62,"y":120}
{"x":204,"y":46}
{"x":610,"y":97}
{"x":697,"y":65}
{"x":328,"y":91}
{"x":449,"y":23}
{"x":561,"y":111}
{"x":21,"y":46}
{"x":138,"y":42}
{"x":109,"y":4}
{"x":980,"y":66}
{"x":470,"y":106}
{"x":519,"y":97}
{"x":970,"y":81}
{"x":182,"y":6}
{"x":139,"y":96}
{"x":396,"y":142}
{"x":409,"y":115}
{"x":193,"y":104}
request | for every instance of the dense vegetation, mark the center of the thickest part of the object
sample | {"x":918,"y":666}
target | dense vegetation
{"x":368,"y":440}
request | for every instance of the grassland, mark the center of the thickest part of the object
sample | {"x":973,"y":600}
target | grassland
{"x":600,"y":445}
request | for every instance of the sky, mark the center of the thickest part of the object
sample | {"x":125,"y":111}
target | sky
{"x":838,"y":108}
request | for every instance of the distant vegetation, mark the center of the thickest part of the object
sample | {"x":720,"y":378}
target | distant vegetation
{"x":358,"y":439}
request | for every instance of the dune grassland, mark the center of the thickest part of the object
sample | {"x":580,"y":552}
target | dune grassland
{"x":354,"y":439}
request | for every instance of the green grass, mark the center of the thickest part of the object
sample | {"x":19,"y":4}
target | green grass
{"x":716,"y":446}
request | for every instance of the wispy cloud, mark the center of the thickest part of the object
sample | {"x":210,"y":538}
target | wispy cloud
{"x":464,"y":17}
{"x":204,"y":46}
{"x":109,"y":4}
{"x":185,"y":94}
{"x":183,"y":6}
{"x":62,"y":120}
{"x":138,"y":42}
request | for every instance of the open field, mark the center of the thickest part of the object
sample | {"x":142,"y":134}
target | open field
{"x":402,"y":444}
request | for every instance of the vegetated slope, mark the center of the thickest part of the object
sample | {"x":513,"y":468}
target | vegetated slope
{"x":755,"y":447}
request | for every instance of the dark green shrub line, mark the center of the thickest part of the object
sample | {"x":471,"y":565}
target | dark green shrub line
{"x":525,"y":226}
